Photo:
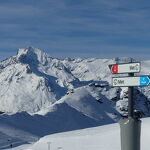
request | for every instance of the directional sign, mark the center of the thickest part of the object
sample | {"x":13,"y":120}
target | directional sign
{"x":130,"y":81}
{"x":125,"y":68}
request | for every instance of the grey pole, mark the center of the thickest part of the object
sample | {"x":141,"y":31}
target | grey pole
{"x":131,"y":126}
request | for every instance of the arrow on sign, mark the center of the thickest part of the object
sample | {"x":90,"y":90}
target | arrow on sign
{"x":144,"y":80}
{"x":130,"y":81}
{"x":125,"y":68}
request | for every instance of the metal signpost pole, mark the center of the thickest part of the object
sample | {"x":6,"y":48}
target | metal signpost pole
{"x":130,"y":99}
{"x":131,"y":126}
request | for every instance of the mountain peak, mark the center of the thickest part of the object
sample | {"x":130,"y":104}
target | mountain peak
{"x":29,"y":51}
{"x":31,"y":54}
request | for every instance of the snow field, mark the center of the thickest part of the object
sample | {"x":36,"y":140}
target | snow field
{"x":98,"y":138}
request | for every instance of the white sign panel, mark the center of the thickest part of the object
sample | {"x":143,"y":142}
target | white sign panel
{"x":125,"y":68}
{"x":130,"y":81}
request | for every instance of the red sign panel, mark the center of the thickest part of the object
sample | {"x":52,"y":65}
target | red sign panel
{"x":114,"y":69}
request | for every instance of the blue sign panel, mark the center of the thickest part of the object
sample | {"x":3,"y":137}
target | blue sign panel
{"x":144,"y":80}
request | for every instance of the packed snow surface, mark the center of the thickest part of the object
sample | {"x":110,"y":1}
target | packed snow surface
{"x":99,"y":138}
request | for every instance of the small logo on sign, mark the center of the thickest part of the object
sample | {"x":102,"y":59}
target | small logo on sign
{"x":114,"y":69}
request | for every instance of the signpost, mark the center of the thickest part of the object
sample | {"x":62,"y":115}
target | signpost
{"x":131,"y":126}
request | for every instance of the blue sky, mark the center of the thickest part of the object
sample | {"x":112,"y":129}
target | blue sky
{"x":76,"y":28}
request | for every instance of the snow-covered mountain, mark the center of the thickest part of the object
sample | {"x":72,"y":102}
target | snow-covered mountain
{"x":32,"y":81}
{"x":52,"y":95}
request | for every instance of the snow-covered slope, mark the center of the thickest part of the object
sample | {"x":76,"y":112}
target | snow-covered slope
{"x":74,"y":111}
{"x":105,"y":137}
